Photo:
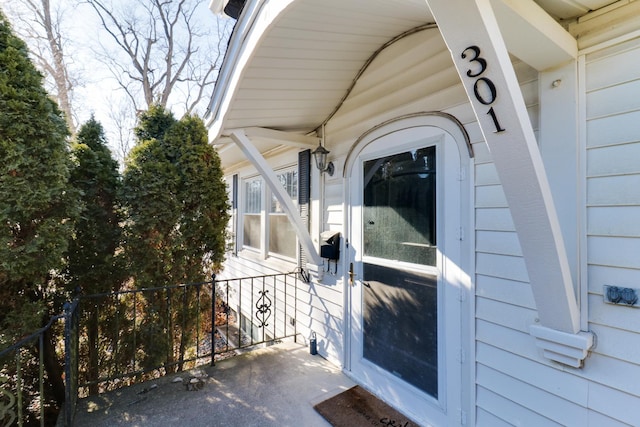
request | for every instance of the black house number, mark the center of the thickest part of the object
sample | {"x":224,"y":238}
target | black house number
{"x":483,"y":89}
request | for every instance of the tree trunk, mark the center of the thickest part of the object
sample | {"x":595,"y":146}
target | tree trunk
{"x":58,"y":69}
{"x":92,"y":342}
{"x":53,"y":366}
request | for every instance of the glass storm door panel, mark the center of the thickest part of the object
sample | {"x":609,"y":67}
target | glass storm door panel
{"x":400,"y":325}
{"x":399,"y":207}
{"x":399,"y":307}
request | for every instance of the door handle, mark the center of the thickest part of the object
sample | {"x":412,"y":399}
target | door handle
{"x":352,"y":275}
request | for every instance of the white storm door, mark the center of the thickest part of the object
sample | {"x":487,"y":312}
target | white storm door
{"x":405,"y":306}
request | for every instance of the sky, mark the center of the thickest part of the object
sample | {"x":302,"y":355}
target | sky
{"x":97,"y":92}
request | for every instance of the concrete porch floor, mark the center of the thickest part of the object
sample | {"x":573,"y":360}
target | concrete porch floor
{"x":273,"y":386}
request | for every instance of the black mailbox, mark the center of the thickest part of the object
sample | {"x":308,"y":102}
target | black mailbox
{"x":330,"y":245}
{"x":330,"y":248}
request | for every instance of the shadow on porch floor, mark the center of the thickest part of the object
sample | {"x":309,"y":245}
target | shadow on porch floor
{"x":273,"y":386}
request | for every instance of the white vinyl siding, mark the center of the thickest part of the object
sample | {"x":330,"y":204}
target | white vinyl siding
{"x":515,"y":384}
{"x":613,"y":232}
{"x":511,"y":378}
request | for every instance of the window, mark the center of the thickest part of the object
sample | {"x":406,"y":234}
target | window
{"x":252,"y":212}
{"x":282,"y":235}
{"x":278,"y":235}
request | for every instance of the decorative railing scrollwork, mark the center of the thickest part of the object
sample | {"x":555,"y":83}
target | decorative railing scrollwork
{"x":263,"y":307}
{"x":7,"y":402}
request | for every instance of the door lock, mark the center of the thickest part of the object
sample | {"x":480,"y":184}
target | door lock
{"x":351,"y":275}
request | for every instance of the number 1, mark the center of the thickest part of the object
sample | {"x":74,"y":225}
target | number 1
{"x":495,"y":120}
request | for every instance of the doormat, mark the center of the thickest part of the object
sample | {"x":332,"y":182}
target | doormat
{"x":357,"y":407}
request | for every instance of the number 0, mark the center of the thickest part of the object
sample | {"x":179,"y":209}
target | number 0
{"x":492,"y":91}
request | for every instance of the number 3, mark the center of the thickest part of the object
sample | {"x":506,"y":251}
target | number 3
{"x":476,"y":58}
{"x":487,"y":83}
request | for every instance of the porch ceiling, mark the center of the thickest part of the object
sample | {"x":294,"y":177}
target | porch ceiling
{"x":569,"y":9}
{"x":308,"y":59}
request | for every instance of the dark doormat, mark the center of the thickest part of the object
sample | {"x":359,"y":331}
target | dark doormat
{"x":357,"y":407}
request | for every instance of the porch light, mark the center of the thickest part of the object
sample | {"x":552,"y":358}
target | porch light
{"x":320,"y":156}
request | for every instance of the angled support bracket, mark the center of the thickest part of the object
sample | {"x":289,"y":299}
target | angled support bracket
{"x":471,"y":30}
{"x":249,"y":150}
{"x":567,"y":349}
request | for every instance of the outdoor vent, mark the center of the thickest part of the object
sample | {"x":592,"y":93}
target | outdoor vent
{"x":234,"y":8}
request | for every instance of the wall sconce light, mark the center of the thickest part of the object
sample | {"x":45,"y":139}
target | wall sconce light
{"x":320,"y":156}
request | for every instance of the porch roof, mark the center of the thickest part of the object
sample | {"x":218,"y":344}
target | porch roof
{"x":291,"y":64}
{"x":292,"y":74}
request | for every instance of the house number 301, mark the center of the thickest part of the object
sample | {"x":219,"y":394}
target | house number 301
{"x":483,"y":88}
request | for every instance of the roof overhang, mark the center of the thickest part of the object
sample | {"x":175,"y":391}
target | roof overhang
{"x":290,"y":63}
{"x":266,"y":141}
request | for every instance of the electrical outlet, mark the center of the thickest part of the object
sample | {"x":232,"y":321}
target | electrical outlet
{"x":620,"y":295}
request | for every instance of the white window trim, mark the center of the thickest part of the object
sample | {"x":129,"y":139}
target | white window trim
{"x":262,"y":253}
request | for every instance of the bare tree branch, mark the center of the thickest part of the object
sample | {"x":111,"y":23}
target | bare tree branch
{"x":167,"y":61}
{"x":41,"y":26}
{"x":124,"y":120}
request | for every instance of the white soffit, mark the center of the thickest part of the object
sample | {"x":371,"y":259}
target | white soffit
{"x":307,"y":60}
{"x":532,"y":35}
{"x":264,"y":140}
{"x":308,"y":57}
{"x":278,"y":137}
{"x":570,"y":9}
{"x":231,"y":156}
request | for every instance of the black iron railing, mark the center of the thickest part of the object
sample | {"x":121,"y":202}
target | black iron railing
{"x":132,"y":336}
{"x":255,"y":310}
{"x":23,"y":379}
{"x":117,"y":339}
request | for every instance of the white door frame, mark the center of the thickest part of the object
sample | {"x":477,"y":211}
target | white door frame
{"x":455,"y":404}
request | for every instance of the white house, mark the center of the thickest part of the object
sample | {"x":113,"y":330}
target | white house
{"x":484,"y":182}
